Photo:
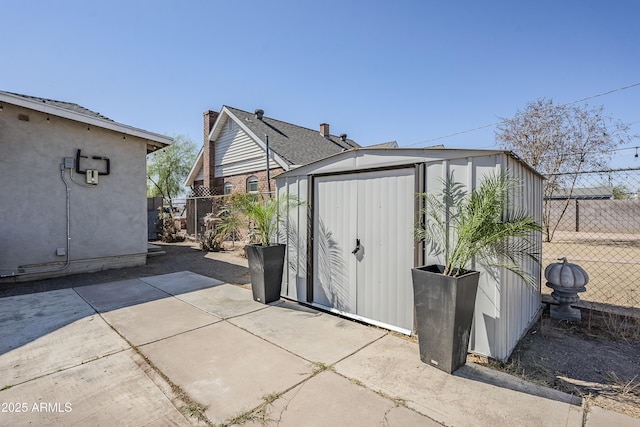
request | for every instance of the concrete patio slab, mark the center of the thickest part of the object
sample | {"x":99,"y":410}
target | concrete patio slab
{"x":331,"y":400}
{"x":181,"y":282}
{"x":110,"y":296}
{"x":107,"y":391}
{"x":224,"y":301}
{"x":24,"y":313}
{"x":304,"y":331}
{"x":599,"y":417}
{"x":34,"y":326}
{"x":56,"y":350}
{"x":392,"y":366}
{"x":158,"y":319}
{"x":226,"y":369}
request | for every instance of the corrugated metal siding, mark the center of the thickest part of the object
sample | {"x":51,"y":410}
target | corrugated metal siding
{"x":294,"y":235}
{"x":376,"y":208}
{"x":505,"y":306}
{"x":335,"y":221}
{"x":237,"y":153}
{"x":385,"y":227}
{"x":523,"y":303}
{"x":486,"y":332}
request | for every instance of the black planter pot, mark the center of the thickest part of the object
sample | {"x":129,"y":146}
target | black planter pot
{"x":266,"y":264}
{"x":444,"y":314}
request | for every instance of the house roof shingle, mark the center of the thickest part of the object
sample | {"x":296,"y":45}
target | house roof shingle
{"x":297,"y":145}
{"x":75,"y":112}
{"x":61,"y":104}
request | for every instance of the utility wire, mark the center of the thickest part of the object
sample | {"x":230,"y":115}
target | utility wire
{"x":497,"y":123}
{"x":572,"y":154}
{"x":604,"y":93}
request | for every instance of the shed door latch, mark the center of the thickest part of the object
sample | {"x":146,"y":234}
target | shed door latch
{"x":357,"y":247}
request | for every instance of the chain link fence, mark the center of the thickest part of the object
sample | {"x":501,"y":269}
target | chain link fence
{"x":201,"y":207}
{"x":200,"y":203}
{"x":593,"y":219}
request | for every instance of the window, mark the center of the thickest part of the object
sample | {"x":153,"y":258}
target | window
{"x":252,"y":184}
{"x":227,"y":188}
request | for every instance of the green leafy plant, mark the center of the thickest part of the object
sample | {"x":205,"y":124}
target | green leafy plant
{"x":265,"y":213}
{"x":462,"y":227}
{"x":230,"y":222}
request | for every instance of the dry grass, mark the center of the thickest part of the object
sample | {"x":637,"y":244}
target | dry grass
{"x":258,"y":415}
{"x":613,"y":265}
{"x":595,"y":359}
{"x":615,"y":326}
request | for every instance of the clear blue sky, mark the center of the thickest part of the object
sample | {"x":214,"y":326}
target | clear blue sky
{"x":409,"y":71}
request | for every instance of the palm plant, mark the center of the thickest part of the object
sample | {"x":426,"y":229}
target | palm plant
{"x":230,"y":222}
{"x":266,"y":213}
{"x":463,"y":227}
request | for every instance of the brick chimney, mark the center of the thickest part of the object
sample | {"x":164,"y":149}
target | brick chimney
{"x":208,"y":155}
{"x":324,"y":129}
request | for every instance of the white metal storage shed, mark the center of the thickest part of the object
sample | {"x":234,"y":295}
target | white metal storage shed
{"x":366,"y":198}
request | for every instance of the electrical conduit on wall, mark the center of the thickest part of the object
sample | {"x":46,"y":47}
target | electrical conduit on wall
{"x":68,"y":244}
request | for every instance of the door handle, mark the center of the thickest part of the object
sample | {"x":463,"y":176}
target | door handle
{"x":357,"y":247}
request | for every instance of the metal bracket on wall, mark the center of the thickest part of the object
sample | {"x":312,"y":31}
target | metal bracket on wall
{"x":84,"y":172}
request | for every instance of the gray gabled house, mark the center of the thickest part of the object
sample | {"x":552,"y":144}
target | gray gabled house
{"x":234,"y":154}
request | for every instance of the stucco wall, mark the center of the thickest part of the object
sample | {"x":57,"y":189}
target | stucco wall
{"x":107,"y":221}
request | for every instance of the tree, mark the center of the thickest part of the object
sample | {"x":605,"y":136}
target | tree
{"x":560,"y":142}
{"x":167,"y":168}
{"x":620,"y":192}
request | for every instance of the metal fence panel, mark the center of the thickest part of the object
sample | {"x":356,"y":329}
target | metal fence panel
{"x":154,"y":207}
{"x":597,"y":225}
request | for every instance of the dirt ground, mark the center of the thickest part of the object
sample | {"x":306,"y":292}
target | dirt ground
{"x":597,"y":359}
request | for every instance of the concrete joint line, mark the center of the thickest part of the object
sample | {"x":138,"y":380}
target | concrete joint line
{"x":361,"y":348}
{"x":176,"y":395}
{"x":84,"y":362}
{"x":263,"y":406}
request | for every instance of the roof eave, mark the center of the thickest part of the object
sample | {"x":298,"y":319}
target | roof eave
{"x":156,"y":141}
{"x":276,"y":157}
{"x":191,"y":177}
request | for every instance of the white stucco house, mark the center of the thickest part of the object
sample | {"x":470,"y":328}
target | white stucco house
{"x":73,"y":189}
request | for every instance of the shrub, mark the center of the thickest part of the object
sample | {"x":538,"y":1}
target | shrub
{"x":167,"y":230}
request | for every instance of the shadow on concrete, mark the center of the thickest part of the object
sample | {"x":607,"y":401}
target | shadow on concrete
{"x":178,"y":257}
{"x":28,"y":317}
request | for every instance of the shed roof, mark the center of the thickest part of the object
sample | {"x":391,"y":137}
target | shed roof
{"x":81,"y":114}
{"x":366,"y":158}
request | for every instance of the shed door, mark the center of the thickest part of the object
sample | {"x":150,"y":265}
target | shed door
{"x":363,"y":246}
